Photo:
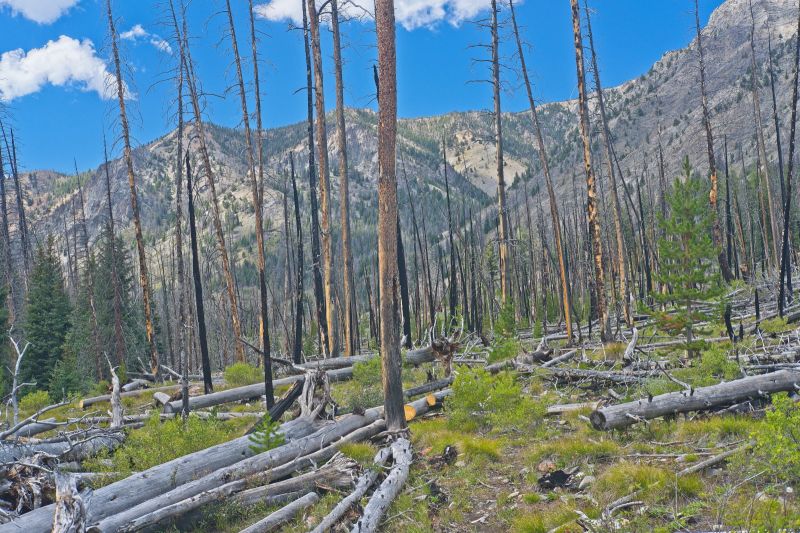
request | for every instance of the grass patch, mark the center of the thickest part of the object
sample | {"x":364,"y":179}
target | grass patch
{"x":241,"y":374}
{"x":626,"y":477}
{"x":716,"y":427}
{"x":361,"y":452}
{"x":435,"y":435}
{"x":569,"y":450}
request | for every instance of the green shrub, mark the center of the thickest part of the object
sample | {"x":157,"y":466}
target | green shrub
{"x":158,"y":442}
{"x":33,"y":401}
{"x":714,"y":363}
{"x":364,"y":390}
{"x":504,"y":349}
{"x":506,"y":323}
{"x":240,"y":374}
{"x":484,"y":401}
{"x":777,"y":438}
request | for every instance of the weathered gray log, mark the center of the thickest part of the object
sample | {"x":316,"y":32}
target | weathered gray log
{"x":34,"y":428}
{"x":431,"y":386}
{"x":70,"y":514}
{"x":283,"y":515}
{"x":365,"y":481}
{"x":136,"y":384}
{"x":338,"y":474}
{"x":626,"y":414}
{"x":150,"y":483}
{"x":419,"y":356}
{"x":560,"y":409}
{"x":631,"y":348}
{"x":560,"y":359}
{"x":86,"y":402}
{"x":711,"y":461}
{"x":625,"y":378}
{"x":246,"y":499}
{"x":248,"y":392}
{"x":337,"y":362}
{"x":385,"y":494}
{"x":67,"y":451}
{"x":293,"y":452}
{"x":238,"y":470}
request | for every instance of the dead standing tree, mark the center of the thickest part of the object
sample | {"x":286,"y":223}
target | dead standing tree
{"x":592,"y":209}
{"x":387,"y":216}
{"x":332,"y":347}
{"x":205,"y":158}
{"x":607,"y":147}
{"x":257,"y":209}
{"x":712,"y":164}
{"x":137,"y":223}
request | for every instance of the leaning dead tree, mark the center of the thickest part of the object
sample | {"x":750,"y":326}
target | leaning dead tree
{"x":551,"y":195}
{"x":147,"y":296}
{"x":263,"y":325}
{"x":205,"y":159}
{"x":593,"y":206}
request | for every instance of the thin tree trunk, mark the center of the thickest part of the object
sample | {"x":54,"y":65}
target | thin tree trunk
{"x":324,"y":180}
{"x":137,"y":223}
{"x":615,"y":207}
{"x":198,"y":286}
{"x":712,"y":164}
{"x":785,"y":274}
{"x":298,"y":316}
{"x":119,"y":339}
{"x":556,"y":219}
{"x":9,"y":262}
{"x":502,"y":227}
{"x":263,"y":326}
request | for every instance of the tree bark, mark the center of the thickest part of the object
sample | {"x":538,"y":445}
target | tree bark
{"x":591,"y":186}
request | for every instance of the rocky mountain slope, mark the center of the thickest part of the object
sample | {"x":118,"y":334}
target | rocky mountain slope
{"x":661,"y":106}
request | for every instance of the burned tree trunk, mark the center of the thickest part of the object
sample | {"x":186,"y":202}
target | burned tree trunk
{"x":298,"y":311}
{"x":137,"y":223}
{"x":591,"y":186}
{"x":387,"y":216}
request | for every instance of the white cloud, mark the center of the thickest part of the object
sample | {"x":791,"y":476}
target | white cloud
{"x":63,"y":62}
{"x":138,"y":32}
{"x":411,"y":14}
{"x":41,"y":11}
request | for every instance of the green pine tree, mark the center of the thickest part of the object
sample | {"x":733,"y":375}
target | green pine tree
{"x":687,"y":260}
{"x":47,"y":316}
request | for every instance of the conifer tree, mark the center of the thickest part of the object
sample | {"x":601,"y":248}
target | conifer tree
{"x":47,"y":316}
{"x":687,"y":256}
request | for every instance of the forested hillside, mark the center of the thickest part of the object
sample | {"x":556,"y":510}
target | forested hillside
{"x":578,"y":316}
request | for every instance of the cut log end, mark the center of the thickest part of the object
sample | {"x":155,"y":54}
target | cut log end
{"x":411,"y":412}
{"x":431,"y":400}
{"x":598,"y":420}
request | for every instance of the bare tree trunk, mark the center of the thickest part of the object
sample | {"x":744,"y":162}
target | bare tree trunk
{"x":137,"y":223}
{"x":198,"y":286}
{"x":205,"y":158}
{"x":350,"y":323}
{"x":119,"y":339}
{"x":387,"y":216}
{"x":22,"y":220}
{"x":615,"y":208}
{"x":324,"y":181}
{"x":502,"y":227}
{"x":450,"y":231}
{"x":298,"y":316}
{"x":548,"y":180}
{"x":712,"y":164}
{"x":785,"y":274}
{"x":181,"y":268}
{"x":771,"y":227}
{"x":319,"y":295}
{"x":9,"y":262}
{"x":263,"y":326}
{"x":591,"y":186}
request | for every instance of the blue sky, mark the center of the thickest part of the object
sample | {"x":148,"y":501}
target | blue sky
{"x":53,"y":98}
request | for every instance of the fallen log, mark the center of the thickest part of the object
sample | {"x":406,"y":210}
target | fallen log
{"x":135,"y":384}
{"x":248,"y":392}
{"x":624,"y":378}
{"x":366,"y":480}
{"x":560,"y":359}
{"x":152,"y":482}
{"x":86,"y":402}
{"x":283,"y":515}
{"x":626,"y":414}
{"x":290,"y":452}
{"x":336,"y":474}
{"x":702,"y":465}
{"x":570,"y":407}
{"x":385,"y":494}
{"x":428,"y":387}
{"x":161,"y":398}
{"x":65,"y":450}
